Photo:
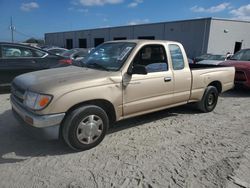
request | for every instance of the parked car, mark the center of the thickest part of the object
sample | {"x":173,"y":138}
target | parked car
{"x":46,"y":46}
{"x":200,"y":58}
{"x":16,"y":59}
{"x":119,"y":80}
{"x":76,"y":54}
{"x":241,"y":62}
{"x":190,"y":61}
{"x":56,"y":50}
{"x":212,"y":59}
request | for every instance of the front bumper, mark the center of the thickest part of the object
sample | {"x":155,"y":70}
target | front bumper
{"x":48,"y":124}
{"x":39,"y":121}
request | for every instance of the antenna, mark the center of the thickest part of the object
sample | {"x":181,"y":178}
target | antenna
{"x":12,"y":29}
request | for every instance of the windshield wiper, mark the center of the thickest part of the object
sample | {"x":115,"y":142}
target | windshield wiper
{"x":96,"y":65}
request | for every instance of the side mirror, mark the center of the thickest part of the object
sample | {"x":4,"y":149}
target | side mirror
{"x":137,"y":69}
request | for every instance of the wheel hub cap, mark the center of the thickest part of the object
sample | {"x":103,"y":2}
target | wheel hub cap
{"x":89,"y":129}
{"x":210,"y":99}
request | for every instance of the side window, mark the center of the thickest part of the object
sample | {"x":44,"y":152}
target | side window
{"x":246,"y":56}
{"x":177,"y":57}
{"x":16,"y":52}
{"x":39,"y":53}
{"x":153,"y":57}
{"x":8,"y":51}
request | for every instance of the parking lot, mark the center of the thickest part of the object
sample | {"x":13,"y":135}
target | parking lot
{"x":178,"y":147}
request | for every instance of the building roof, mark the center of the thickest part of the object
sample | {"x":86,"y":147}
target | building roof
{"x":166,"y":22}
{"x":138,"y":41}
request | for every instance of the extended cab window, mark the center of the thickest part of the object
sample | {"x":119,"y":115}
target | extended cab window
{"x":176,"y":56}
{"x":153,"y":57}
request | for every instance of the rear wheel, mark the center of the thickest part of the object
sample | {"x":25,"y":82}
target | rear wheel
{"x":209,"y":99}
{"x":85,"y":127}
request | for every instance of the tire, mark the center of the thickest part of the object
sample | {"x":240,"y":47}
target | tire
{"x":85,"y":127}
{"x":209,"y":100}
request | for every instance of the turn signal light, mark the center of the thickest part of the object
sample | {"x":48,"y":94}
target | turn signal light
{"x":43,"y":101}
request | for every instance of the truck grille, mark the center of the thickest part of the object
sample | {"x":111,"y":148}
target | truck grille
{"x":17,"y":92}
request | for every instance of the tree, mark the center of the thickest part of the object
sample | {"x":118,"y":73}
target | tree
{"x":34,"y":40}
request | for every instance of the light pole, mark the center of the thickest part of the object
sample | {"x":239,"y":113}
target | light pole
{"x":12,"y":29}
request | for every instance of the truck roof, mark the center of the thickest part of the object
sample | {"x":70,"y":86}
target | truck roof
{"x":141,"y":41}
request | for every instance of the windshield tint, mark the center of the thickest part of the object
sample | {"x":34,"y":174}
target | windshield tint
{"x":109,"y":56}
{"x":243,"y":55}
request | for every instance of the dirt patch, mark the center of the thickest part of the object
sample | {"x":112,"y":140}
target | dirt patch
{"x":178,"y":147}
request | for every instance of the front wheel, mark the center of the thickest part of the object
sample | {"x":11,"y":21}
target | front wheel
{"x":209,"y":99}
{"x":85,"y":127}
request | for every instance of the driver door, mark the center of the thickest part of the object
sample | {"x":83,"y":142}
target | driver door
{"x":145,"y":93}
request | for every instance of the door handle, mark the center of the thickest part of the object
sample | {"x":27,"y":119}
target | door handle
{"x":167,"y":79}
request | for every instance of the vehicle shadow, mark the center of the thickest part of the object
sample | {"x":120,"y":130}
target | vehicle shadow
{"x":152,"y":117}
{"x":16,"y":144}
{"x":4,"y":90}
{"x":236,"y":92}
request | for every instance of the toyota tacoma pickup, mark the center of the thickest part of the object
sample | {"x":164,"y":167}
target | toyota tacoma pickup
{"x":118,"y":80}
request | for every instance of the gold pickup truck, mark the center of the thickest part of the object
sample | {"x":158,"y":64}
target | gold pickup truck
{"x":118,"y":80}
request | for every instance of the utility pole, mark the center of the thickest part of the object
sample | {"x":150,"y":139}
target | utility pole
{"x":12,"y":29}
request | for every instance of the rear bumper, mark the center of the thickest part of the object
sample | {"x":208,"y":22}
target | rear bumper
{"x":41,"y":124}
{"x":245,"y":84}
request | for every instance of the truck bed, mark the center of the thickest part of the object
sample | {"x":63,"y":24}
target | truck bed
{"x":203,"y":75}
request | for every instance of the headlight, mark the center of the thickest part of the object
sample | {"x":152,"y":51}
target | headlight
{"x":36,"y":101}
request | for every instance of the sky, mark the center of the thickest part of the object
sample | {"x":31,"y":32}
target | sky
{"x":33,"y":18}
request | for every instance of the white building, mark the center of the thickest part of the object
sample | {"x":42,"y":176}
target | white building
{"x":199,"y":36}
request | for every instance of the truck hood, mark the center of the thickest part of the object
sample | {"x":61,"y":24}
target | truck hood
{"x":65,"y":79}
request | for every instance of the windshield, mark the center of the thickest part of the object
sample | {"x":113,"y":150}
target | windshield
{"x":243,"y":55}
{"x":109,"y":56}
{"x":216,"y":57}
